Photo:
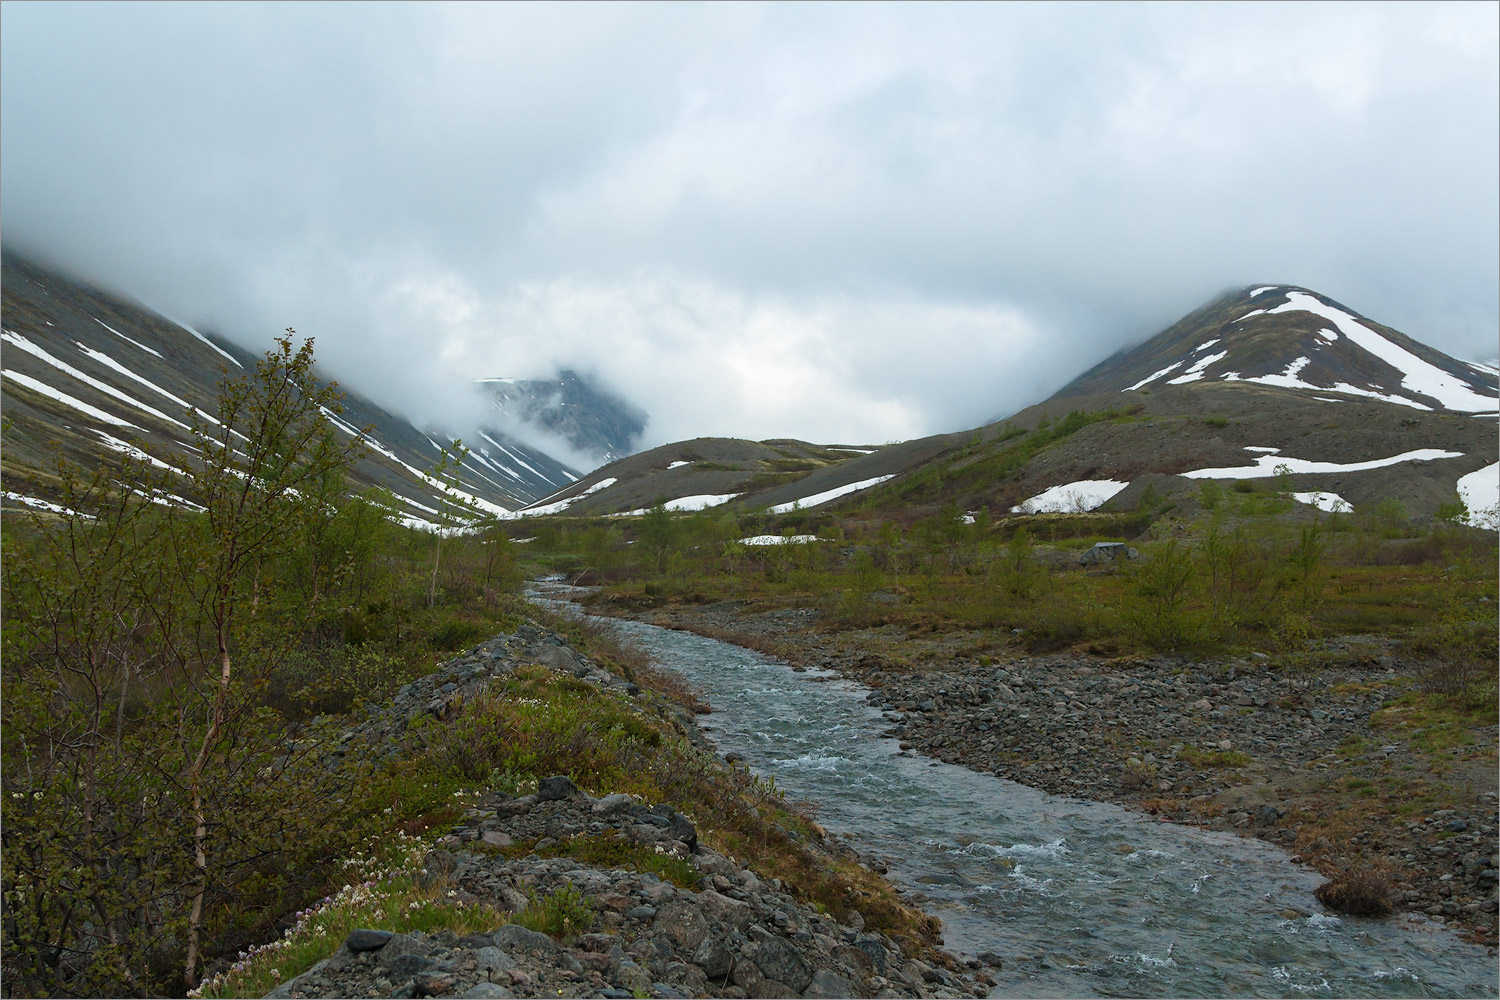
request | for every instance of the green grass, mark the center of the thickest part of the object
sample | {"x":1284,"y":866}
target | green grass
{"x":1431,"y":723}
{"x":1202,"y":759}
{"x":607,"y":851}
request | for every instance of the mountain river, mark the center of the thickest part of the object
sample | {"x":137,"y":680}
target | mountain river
{"x":1079,"y":898}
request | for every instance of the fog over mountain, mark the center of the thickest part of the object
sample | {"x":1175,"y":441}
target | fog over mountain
{"x":842,"y":223}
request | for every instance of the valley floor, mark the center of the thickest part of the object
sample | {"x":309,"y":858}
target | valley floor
{"x":1330,"y":762}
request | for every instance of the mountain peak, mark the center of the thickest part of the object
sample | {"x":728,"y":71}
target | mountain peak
{"x":593,"y":419}
{"x":1294,"y":338}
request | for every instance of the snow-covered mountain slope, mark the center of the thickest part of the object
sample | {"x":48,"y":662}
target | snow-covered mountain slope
{"x":86,"y":373}
{"x":1293,"y":338}
{"x":593,"y":420}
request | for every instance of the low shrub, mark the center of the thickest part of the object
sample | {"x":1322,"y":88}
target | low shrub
{"x":1363,"y":890}
{"x":563,"y":913}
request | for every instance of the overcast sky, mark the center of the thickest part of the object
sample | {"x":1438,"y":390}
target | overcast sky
{"x":852,"y":223}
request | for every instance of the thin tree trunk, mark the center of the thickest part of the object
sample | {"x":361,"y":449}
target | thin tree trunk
{"x":200,"y":821}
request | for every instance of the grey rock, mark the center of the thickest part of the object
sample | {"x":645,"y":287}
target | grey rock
{"x":513,"y":938}
{"x":490,"y":957}
{"x":683,"y":829}
{"x":556,"y":788}
{"x":631,"y":976}
{"x":874,"y":950}
{"x":827,"y":983}
{"x":485,"y":991}
{"x":713,"y":958}
{"x":719,"y":907}
{"x":435,"y":982}
{"x":405,"y":965}
{"x":683,"y":923}
{"x":365,"y":939}
{"x":611,"y":804}
{"x":778,"y":960}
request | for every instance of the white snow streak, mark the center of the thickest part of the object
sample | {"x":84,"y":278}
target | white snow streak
{"x":778,"y":540}
{"x":1264,"y":288}
{"x":699,"y":501}
{"x":1153,"y":378}
{"x":562,"y":505}
{"x":64,"y":398}
{"x":106,"y":360}
{"x":1194,"y":373}
{"x":1269,"y":465}
{"x":104,"y":387}
{"x":43,"y":505}
{"x":1085,"y":494}
{"x":117,"y":333}
{"x":210,"y":343}
{"x":827,"y":495}
{"x":1418,"y":376}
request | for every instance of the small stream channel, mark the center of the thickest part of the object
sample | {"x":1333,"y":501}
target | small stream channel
{"x":1079,"y":898}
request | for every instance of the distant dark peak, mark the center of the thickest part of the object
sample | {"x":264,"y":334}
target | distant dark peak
{"x":593,"y":419}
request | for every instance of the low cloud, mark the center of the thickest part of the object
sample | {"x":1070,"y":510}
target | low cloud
{"x":850,"y":223}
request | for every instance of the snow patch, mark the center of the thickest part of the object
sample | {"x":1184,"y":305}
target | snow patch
{"x":678,"y":465}
{"x":1261,"y":448}
{"x":1252,"y":312}
{"x":1331,"y":502}
{"x":1480,"y":492}
{"x":1194,"y":373}
{"x":1205,"y":345}
{"x":1267,"y":466}
{"x":1264,"y":288}
{"x":43,"y":505}
{"x":1085,"y":494}
{"x":778,"y":540}
{"x":699,"y":501}
{"x":827,"y":495}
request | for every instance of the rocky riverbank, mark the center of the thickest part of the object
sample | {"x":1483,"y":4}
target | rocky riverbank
{"x":1246,"y":745}
{"x":700,"y":925}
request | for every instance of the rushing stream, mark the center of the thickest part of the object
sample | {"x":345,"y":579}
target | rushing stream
{"x":1079,"y":898}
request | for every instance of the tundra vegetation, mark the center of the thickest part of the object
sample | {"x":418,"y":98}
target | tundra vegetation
{"x":182,"y":644}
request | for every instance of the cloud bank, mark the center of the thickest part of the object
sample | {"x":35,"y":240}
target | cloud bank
{"x":851,"y":223}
